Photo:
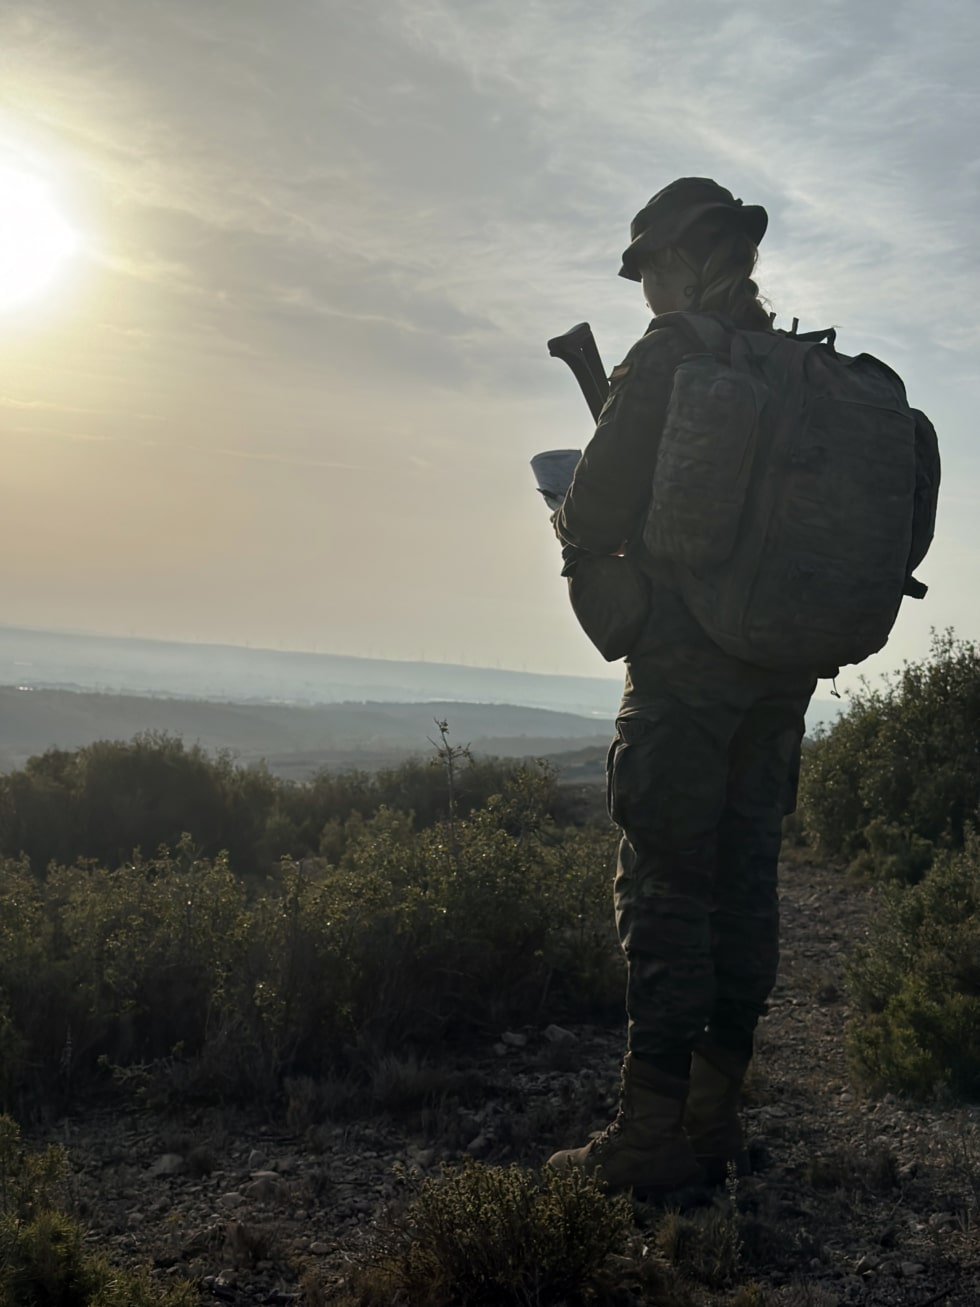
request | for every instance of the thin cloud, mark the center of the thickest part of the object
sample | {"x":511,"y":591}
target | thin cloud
{"x":358,"y":225}
{"x":833,"y":130}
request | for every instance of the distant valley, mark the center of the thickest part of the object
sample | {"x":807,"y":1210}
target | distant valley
{"x":298,"y":712}
{"x":295,"y":742}
{"x":230,"y":673}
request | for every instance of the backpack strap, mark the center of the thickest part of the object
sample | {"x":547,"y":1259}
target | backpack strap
{"x":716,"y":333}
{"x":828,"y":336}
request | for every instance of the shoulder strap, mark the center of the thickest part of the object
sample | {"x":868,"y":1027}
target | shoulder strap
{"x":709,"y":331}
{"x":828,"y":336}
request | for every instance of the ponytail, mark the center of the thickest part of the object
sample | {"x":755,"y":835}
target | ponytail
{"x":727,"y":285}
{"x":727,"y":259}
{"x":721,"y":260}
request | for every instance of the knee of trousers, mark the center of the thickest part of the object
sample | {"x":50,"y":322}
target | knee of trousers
{"x":668,"y":1003}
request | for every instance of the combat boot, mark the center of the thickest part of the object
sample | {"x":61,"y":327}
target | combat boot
{"x":711,"y":1116}
{"x":644,"y":1148}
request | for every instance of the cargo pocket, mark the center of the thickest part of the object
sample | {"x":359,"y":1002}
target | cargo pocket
{"x":624,"y":767}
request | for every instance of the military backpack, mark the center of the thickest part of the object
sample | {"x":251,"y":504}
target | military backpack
{"x":794,"y":493}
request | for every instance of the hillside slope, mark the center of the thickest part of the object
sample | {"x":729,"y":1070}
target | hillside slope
{"x":295,"y":741}
{"x":855,"y":1203}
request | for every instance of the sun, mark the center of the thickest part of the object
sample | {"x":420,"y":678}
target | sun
{"x":36,"y":241}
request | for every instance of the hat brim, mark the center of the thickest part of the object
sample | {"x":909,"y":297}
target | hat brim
{"x":750,"y":218}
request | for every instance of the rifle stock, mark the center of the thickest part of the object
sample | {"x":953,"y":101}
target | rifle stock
{"x":578,"y":349}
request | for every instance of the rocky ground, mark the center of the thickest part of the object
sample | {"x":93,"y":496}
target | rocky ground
{"x":856,"y":1201}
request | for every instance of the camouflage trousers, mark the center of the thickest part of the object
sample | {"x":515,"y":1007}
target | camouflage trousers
{"x":699,"y":791}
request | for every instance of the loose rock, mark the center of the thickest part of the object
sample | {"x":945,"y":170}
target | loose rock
{"x":168,"y":1164}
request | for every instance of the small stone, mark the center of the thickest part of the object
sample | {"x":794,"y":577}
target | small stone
{"x":257,"y":1160}
{"x":268,"y":1187}
{"x":559,"y":1035}
{"x":867,"y":1262}
{"x":226,"y":1279}
{"x":501,"y":1050}
{"x":319,"y":1248}
{"x":238,"y":1243}
{"x":168,"y":1164}
{"x":512,"y":1038}
{"x":911,"y":1269}
{"x":231,"y":1200}
{"x":479,"y":1146}
{"x":425,"y":1157}
{"x":135,"y":1218}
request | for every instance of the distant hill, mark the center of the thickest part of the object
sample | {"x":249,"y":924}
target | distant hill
{"x":298,"y":711}
{"x":229,"y":673}
{"x":294,"y":741}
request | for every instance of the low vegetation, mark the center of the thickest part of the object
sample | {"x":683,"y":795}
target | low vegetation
{"x":194,"y":932}
{"x":916,"y":984}
{"x":892,"y":791}
{"x":103,"y":801}
{"x":44,"y":1260}
{"x":178,"y":974}
{"x":492,"y":1236}
{"x":897,"y":777}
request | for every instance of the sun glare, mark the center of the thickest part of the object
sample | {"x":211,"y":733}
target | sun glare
{"x":35,"y":239}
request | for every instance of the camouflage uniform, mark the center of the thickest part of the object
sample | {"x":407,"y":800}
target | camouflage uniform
{"x":703,"y":766}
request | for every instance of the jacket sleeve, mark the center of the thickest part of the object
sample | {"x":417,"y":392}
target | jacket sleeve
{"x":610,"y":491}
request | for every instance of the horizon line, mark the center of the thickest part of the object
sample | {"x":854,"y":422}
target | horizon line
{"x":301,"y":652}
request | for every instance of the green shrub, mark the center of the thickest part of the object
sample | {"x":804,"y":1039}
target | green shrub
{"x":172,"y":972}
{"x":26,"y":958}
{"x":417,"y":935}
{"x":492,"y":1236}
{"x":916,"y":984}
{"x":106,"y":800}
{"x":110,"y":798}
{"x":146,"y":950}
{"x":898,"y":775}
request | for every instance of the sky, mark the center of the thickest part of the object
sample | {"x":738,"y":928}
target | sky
{"x":286,"y":391}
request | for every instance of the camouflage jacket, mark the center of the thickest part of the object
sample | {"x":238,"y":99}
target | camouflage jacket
{"x":605,"y":509}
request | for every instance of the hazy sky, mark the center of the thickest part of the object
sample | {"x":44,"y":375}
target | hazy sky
{"x":287,"y":392}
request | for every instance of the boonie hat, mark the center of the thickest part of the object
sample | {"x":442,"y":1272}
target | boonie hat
{"x":677,"y":207}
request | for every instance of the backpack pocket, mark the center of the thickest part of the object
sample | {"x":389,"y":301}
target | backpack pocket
{"x":704,"y":463}
{"x":610,"y":598}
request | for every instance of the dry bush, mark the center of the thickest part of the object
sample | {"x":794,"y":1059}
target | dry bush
{"x":493,"y":1237}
